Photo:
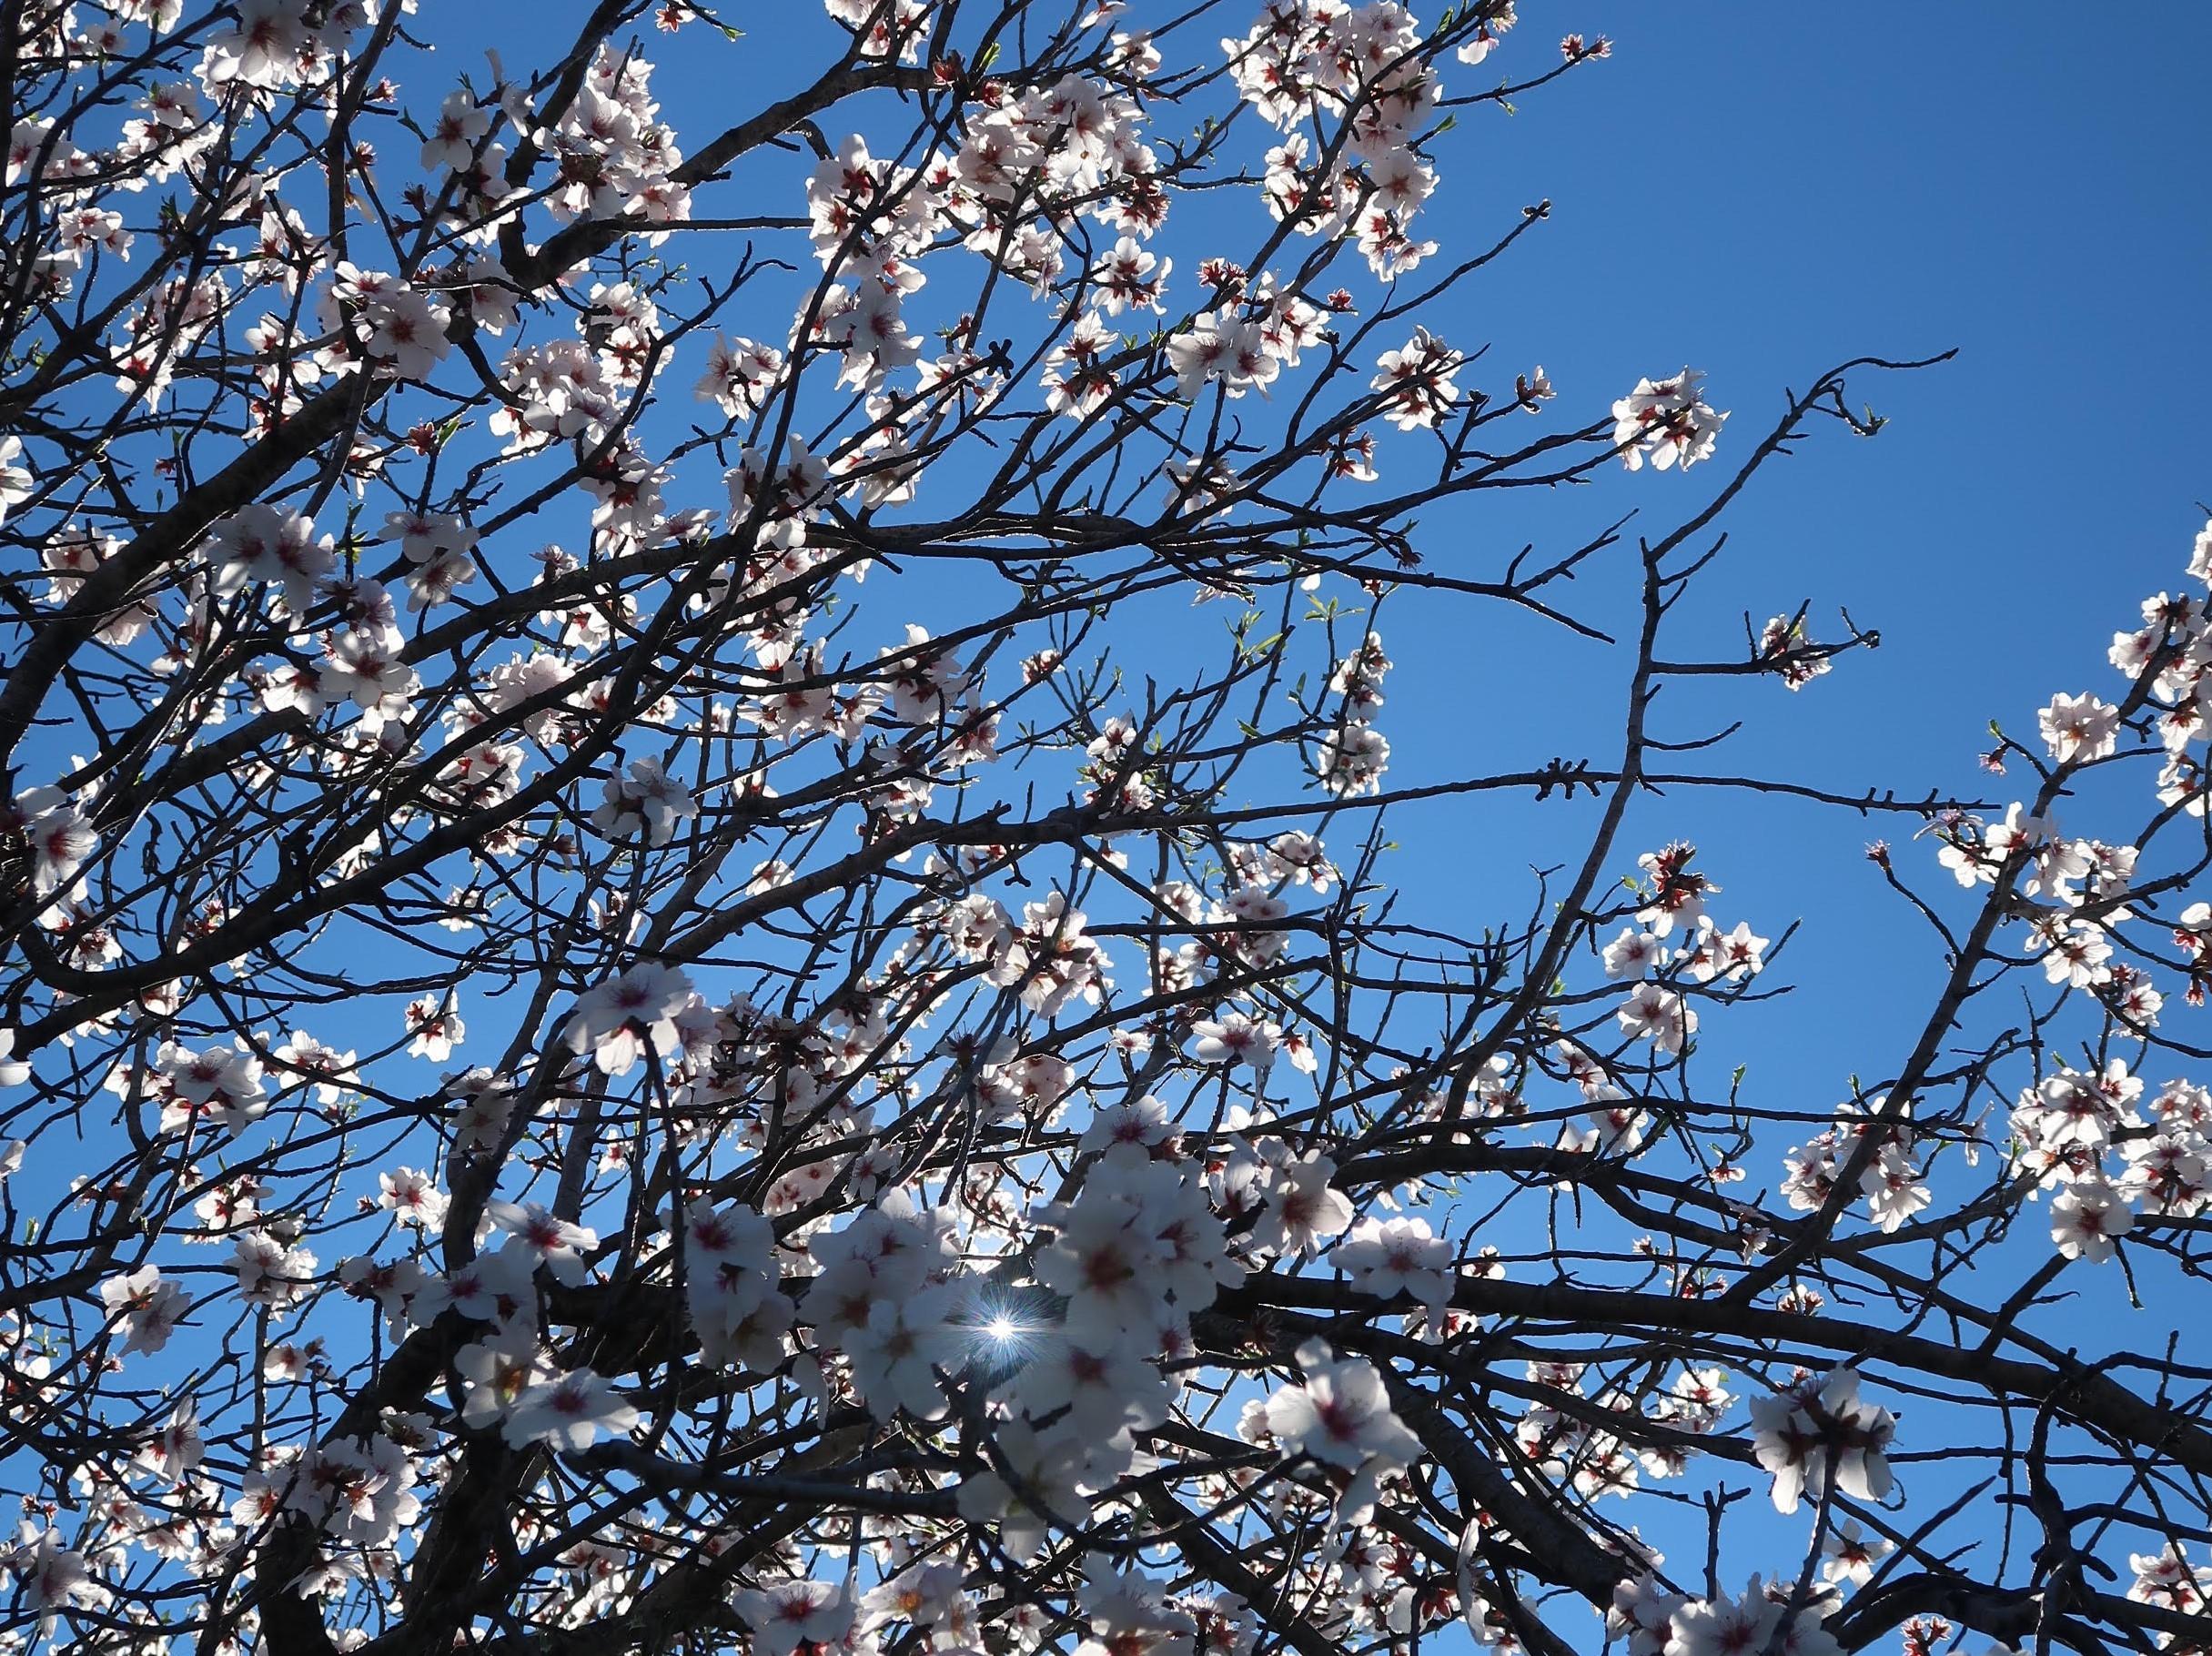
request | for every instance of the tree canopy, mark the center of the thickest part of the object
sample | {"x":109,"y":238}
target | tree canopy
{"x":659,"y":996}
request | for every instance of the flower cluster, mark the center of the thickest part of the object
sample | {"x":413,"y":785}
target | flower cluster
{"x":1666,"y":422}
{"x":945,"y":1130}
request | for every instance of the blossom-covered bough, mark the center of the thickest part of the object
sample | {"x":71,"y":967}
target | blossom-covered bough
{"x":661,"y":993}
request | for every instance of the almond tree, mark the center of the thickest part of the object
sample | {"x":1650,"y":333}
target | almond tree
{"x":578,"y":1081}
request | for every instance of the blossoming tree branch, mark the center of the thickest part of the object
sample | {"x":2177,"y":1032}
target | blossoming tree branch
{"x":650,"y":1000}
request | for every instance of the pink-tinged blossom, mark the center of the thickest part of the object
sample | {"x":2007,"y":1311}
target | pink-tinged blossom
{"x":51,"y":1579}
{"x":174,"y":1449}
{"x":1131,"y":1615}
{"x":436,"y":1028}
{"x":461,"y":123}
{"x":1485,"y":39}
{"x":1388,"y":1257}
{"x":1666,"y":422}
{"x":1220,"y":347}
{"x":329,"y":1070}
{"x":1757,"y":1624}
{"x":1130,"y":278}
{"x":1643,"y":1614}
{"x":220,"y":1084}
{"x":1732,"y":956}
{"x":364,"y":668}
{"x":1302,"y":1211}
{"x":1101,"y":1383}
{"x":646,"y":800}
{"x":924,"y":1595}
{"x":406,"y":328}
{"x":731,"y":1287}
{"x":1657,"y":1013}
{"x":1678,"y":891}
{"x":1233,"y":1039}
{"x":272,"y":1273}
{"x":2088,"y":1218}
{"x":570,"y":1413}
{"x":1042,"y":1485}
{"x":896,"y":1353}
{"x":791,"y":1613}
{"x":59,"y":837}
{"x":145,"y":1308}
{"x":413,"y":1197}
{"x":2079,"y":729}
{"x":1632,"y":953}
{"x":1820,"y":1433}
{"x":1894,"y":1188}
{"x":494,"y":1374}
{"x":1107,"y":1263}
{"x":1341,"y":1416}
{"x":616,"y":1021}
{"x":738,"y":376}
{"x":1352,"y":760}
{"x":543,"y":1238}
{"x":1782,"y":644}
{"x":2167,"y":1578}
{"x":1847,"y":1555}
{"x":1414,"y":383}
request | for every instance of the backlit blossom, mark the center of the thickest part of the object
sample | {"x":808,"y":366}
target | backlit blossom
{"x":1667,"y":423}
{"x":616,"y":1021}
{"x":2078,"y":729}
{"x":570,"y":1413}
{"x":1822,"y":1434}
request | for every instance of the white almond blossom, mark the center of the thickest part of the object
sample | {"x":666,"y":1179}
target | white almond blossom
{"x":1666,"y":422}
